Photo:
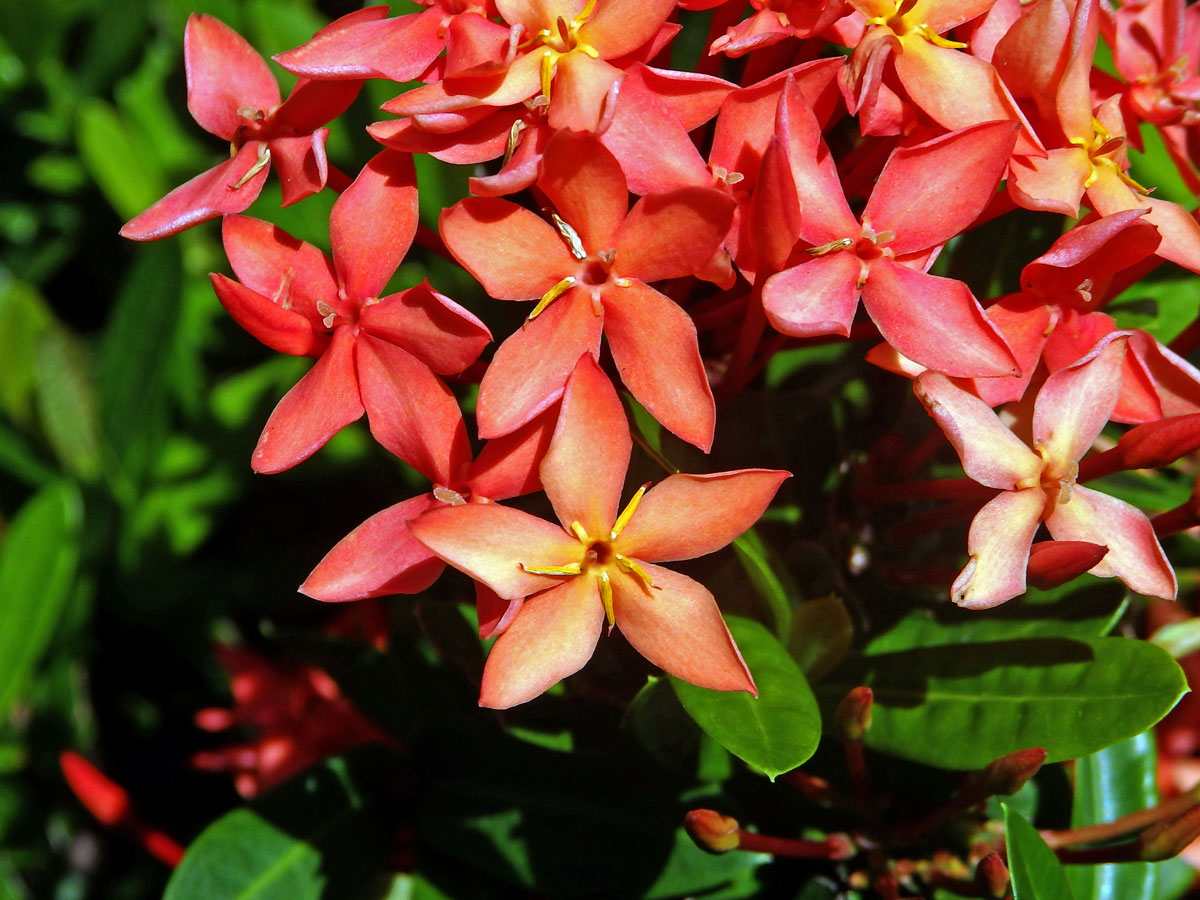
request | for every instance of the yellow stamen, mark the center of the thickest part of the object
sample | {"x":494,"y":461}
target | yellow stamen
{"x":627,"y":512}
{"x":625,"y":564}
{"x":580,"y":533}
{"x":831,"y":247}
{"x":549,"y":58}
{"x":606,"y":597}
{"x":551,"y":295}
{"x":569,"y":569}
{"x":446,"y":495}
{"x":936,"y":39}
{"x":511,"y":146}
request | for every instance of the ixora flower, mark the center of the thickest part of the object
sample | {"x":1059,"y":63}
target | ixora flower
{"x":599,"y":564}
{"x":1038,"y":485}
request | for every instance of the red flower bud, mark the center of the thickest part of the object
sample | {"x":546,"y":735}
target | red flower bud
{"x":1052,"y":563}
{"x":712,"y":831}
{"x":1007,"y":774}
{"x":854,"y":713}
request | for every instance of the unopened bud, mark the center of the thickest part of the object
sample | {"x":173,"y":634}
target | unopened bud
{"x":712,"y":831}
{"x":1008,"y":774}
{"x":1160,"y":443}
{"x":1167,"y":839}
{"x":1052,"y":563}
{"x":103,"y":797}
{"x":991,"y":876}
{"x":853,"y":715}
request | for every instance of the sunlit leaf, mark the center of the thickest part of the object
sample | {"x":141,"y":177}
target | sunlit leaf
{"x":1036,"y":872}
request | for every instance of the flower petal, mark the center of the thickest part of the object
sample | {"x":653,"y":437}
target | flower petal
{"x":672,"y":235}
{"x":397,"y":49}
{"x":301,"y":165}
{"x":685,"y":516}
{"x":219,"y":191}
{"x":1075,"y":402}
{"x":377,"y":558}
{"x":490,"y":542}
{"x":585,"y":183}
{"x":430,"y":326}
{"x":508,"y":466}
{"x":990,"y":453}
{"x":529,"y":370}
{"x":1134,"y":554}
{"x":677,"y":626}
{"x":412,"y":413}
{"x":552,"y":636}
{"x":998,"y":543}
{"x":819,"y":296}
{"x":289,"y":272}
{"x":512,"y":252}
{"x":224,"y":74}
{"x":283,"y":330}
{"x":583,"y":471}
{"x":320,"y":405}
{"x":373,"y":222}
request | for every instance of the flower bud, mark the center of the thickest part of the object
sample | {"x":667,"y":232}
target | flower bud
{"x":1052,"y":563}
{"x":1167,"y":839}
{"x":853,"y":714}
{"x":1160,"y":443}
{"x":1007,"y":774}
{"x":103,"y":797}
{"x":991,"y":876}
{"x":712,"y":831}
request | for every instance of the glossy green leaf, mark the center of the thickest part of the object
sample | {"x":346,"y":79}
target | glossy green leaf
{"x":310,"y":838}
{"x":1180,"y":639}
{"x":66,"y":397}
{"x":775,"y":732}
{"x":1068,"y":612}
{"x":38,"y":560}
{"x":1111,"y":783}
{"x":1036,"y":872}
{"x":769,"y":578}
{"x":961,"y":706}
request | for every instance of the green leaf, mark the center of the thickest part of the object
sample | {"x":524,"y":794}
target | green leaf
{"x":1180,"y":639}
{"x":38,"y":560}
{"x":769,"y":578}
{"x":118,"y":160}
{"x":1118,"y":780}
{"x":310,"y":838}
{"x":24,"y":317}
{"x":67,"y":403}
{"x":775,"y":732}
{"x":1081,"y":613}
{"x":961,"y":706}
{"x":1036,"y":872}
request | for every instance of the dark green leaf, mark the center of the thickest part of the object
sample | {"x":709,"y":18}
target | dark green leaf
{"x":37,"y":570}
{"x":775,"y":732}
{"x":960,"y":707}
{"x":769,"y":579}
{"x":67,"y":403}
{"x":821,"y":634}
{"x":24,"y":317}
{"x":1080,"y":613}
{"x":1036,"y":872}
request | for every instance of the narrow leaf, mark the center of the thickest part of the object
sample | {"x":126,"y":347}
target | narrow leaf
{"x":1036,"y":872}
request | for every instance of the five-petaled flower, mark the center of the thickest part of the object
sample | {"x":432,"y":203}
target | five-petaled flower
{"x":600,"y":563}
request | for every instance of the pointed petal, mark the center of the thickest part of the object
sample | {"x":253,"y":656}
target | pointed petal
{"x":485,"y":85}
{"x":430,"y":326}
{"x":1075,"y":403}
{"x":1134,"y":554}
{"x":288,"y":271}
{"x":991,"y":454}
{"x":1024,"y":323}
{"x":512,"y":252}
{"x":1093,"y":251}
{"x":398,"y":49}
{"x":685,"y":516}
{"x":583,"y":471}
{"x":998,"y":543}
{"x":300,"y":164}
{"x":283,"y":330}
{"x":313,"y":103}
{"x":529,"y":370}
{"x":673,"y":234}
{"x":321,"y":404}
{"x":1053,"y":184}
{"x":585,"y":183}
{"x":412,"y":413}
{"x":677,"y":626}
{"x":774,"y":217}
{"x":552,"y":636}
{"x":816,"y":297}
{"x":508,"y":466}
{"x":224,"y":74}
{"x":1176,"y":382}
{"x":372,"y":224}
{"x":217,"y":192}
{"x":489,"y":542}
{"x":935,"y":321}
{"x":584,"y":91}
{"x":653,"y":342}
{"x":930,"y":192}
{"x":621,"y":26}
{"x":377,"y":558}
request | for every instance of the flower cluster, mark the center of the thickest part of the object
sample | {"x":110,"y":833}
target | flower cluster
{"x":671,"y":230}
